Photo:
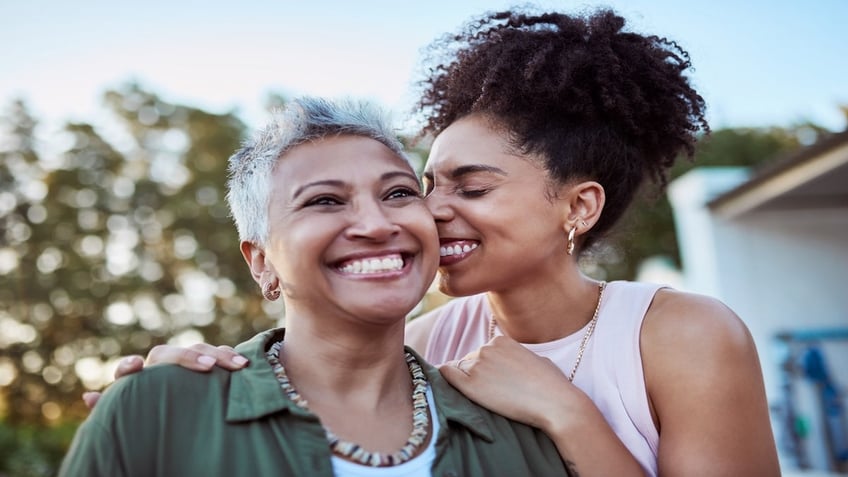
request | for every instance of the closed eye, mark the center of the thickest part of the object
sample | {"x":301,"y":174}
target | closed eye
{"x":472,"y":193}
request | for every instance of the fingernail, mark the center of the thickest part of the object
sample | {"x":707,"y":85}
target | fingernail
{"x":206,"y":360}
{"x":129,"y":360}
{"x":240,"y":360}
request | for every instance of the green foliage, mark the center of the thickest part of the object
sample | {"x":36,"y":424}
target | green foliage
{"x":33,"y":451}
{"x":113,"y":245}
{"x":647,"y":230}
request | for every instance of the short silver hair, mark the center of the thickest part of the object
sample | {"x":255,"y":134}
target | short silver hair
{"x":302,"y":120}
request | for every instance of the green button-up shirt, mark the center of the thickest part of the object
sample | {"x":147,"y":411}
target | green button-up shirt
{"x":169,"y":421}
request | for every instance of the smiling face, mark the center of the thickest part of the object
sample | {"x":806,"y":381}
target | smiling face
{"x":349,"y":233}
{"x":498,"y":225}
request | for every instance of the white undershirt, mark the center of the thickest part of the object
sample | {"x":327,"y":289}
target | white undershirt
{"x":418,"y":466}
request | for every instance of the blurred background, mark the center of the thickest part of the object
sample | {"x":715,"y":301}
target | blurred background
{"x":116,"y":122}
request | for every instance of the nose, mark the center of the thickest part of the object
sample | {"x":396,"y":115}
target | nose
{"x":439,"y":205}
{"x":371,"y":220}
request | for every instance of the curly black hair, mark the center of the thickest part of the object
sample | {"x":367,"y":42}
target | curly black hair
{"x":595,"y":101}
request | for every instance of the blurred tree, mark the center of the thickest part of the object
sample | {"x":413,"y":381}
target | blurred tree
{"x":109,"y":247}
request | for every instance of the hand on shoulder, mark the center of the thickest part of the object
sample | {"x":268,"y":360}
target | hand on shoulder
{"x":200,"y":357}
{"x":511,"y":380}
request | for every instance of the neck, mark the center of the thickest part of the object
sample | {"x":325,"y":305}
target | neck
{"x":357,"y":382}
{"x":354,"y":364}
{"x":545,"y":310}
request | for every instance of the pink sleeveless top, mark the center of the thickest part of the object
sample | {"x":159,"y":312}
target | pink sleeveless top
{"x":610,"y":371}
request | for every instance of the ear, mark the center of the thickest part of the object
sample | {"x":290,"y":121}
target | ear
{"x":254,"y":255}
{"x":584,"y":202}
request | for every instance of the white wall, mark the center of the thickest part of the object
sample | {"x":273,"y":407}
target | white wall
{"x":782,"y":270}
{"x":786,"y":270}
{"x":694,"y":224}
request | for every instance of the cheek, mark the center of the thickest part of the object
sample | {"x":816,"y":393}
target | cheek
{"x":421,"y":223}
{"x":298,"y":247}
{"x":284,"y":261}
{"x":494,"y":219}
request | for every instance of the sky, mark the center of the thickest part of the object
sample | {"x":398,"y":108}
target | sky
{"x":757,"y":63}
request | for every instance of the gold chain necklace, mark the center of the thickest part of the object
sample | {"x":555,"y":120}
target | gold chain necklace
{"x":493,"y":323}
{"x":350,"y":450}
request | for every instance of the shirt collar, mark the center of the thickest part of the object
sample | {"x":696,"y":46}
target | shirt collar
{"x":453,"y":405}
{"x":255,"y":393}
{"x":254,"y":390}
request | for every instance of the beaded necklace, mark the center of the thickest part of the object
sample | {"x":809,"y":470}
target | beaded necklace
{"x":493,"y":323}
{"x":350,"y":450}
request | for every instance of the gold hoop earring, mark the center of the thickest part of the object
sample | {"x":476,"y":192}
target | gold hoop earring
{"x":570,"y":246}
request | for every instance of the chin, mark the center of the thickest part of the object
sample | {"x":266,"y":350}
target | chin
{"x":389,"y":309}
{"x":457,"y":288}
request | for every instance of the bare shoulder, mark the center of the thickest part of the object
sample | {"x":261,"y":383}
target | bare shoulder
{"x":690,"y":324}
{"x":419,"y":329}
{"x":705,"y":388}
{"x":694,"y":345}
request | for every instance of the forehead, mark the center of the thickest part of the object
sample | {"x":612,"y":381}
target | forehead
{"x":344,"y":156}
{"x":473,"y":140}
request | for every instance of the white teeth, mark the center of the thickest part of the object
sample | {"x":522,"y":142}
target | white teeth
{"x":373,"y":265}
{"x":456,"y":249}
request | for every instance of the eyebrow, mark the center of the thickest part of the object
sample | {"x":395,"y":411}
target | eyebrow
{"x":462,"y":171}
{"x":339,"y":183}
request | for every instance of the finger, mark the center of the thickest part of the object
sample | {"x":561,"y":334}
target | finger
{"x":90,"y":399}
{"x":129,"y":365}
{"x":224,"y":356}
{"x":184,"y":357}
{"x":459,"y":365}
{"x":457,"y":377}
{"x":227,"y":352}
{"x":198,"y":357}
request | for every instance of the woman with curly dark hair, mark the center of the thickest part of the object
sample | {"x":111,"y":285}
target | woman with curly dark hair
{"x":545,"y":126}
